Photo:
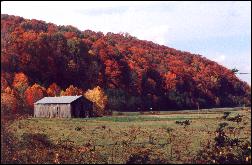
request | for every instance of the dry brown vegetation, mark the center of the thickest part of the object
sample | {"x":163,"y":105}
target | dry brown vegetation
{"x":132,"y":139}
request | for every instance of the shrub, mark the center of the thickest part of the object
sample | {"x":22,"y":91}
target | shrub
{"x":237,"y":118}
{"x":36,"y":140}
{"x":185,"y":123}
{"x":225,"y":150}
{"x":145,"y":156}
{"x":226,"y":114}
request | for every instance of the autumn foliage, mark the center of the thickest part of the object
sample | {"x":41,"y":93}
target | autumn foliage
{"x":33,"y":94}
{"x":100,"y":100}
{"x":71,"y":91}
{"x":20,"y":82}
{"x":134,"y":74}
{"x":53,"y":90}
{"x":9,"y":101}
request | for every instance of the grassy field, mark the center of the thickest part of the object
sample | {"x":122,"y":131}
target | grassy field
{"x":117,"y":137}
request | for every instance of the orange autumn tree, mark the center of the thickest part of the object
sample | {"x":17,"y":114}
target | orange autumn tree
{"x":100,"y":100}
{"x":20,"y":82}
{"x":71,"y":91}
{"x":9,"y":102}
{"x":53,"y":90}
{"x":33,"y":94}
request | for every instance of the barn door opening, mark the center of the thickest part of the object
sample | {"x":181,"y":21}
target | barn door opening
{"x":58,"y":111}
{"x":86,"y":114}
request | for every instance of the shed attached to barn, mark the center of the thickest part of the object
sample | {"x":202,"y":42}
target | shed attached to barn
{"x":63,"y":107}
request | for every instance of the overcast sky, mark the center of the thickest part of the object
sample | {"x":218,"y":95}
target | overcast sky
{"x":220,"y":31}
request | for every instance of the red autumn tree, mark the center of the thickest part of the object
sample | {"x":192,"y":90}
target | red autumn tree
{"x":113,"y":72}
{"x":33,"y":94}
{"x":53,"y":90}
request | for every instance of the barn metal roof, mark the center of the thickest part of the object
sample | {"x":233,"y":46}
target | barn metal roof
{"x":57,"y":100}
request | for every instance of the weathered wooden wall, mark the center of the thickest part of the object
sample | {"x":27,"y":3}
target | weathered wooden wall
{"x":52,"y":110}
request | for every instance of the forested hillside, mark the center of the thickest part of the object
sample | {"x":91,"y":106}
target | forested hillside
{"x":41,"y":59}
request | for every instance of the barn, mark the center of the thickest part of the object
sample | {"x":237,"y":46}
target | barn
{"x":63,"y":107}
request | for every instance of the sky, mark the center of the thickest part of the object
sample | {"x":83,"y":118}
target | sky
{"x":219,"y":31}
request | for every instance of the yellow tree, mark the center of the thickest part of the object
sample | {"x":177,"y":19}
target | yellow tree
{"x":100,"y":100}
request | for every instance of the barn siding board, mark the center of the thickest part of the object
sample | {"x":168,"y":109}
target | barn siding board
{"x":52,"y":110}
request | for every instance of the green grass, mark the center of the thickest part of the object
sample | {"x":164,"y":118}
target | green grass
{"x":202,"y":111}
{"x":106,"y":132}
{"x":140,"y":118}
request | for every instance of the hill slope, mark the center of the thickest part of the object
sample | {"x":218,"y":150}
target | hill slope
{"x":134,"y":73}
